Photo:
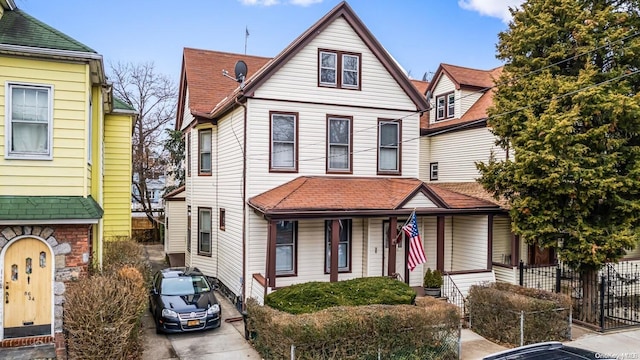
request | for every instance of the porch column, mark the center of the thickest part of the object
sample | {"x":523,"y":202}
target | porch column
{"x":489,"y":241}
{"x":271,"y":254}
{"x":515,"y":249}
{"x":440,"y":244}
{"x":335,"y":242}
{"x":393,"y":234}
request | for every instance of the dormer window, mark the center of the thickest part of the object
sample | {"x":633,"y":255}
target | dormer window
{"x":339,"y":69}
{"x":445,"y":106}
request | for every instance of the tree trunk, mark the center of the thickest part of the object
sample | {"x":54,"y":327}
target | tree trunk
{"x":590,"y":296}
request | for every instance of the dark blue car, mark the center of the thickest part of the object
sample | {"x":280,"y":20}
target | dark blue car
{"x":181,"y":299}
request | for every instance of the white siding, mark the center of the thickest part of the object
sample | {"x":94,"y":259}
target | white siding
{"x":425,"y":158}
{"x":504,"y":274}
{"x":457,"y":152}
{"x":187,"y":118}
{"x":176,"y":226}
{"x":634,"y":253}
{"x":376,"y":248}
{"x":420,"y":200}
{"x":429,"y":233}
{"x":502,"y":240}
{"x":469,"y":245}
{"x":465,"y":281}
{"x":298,"y":78}
{"x":444,"y":86}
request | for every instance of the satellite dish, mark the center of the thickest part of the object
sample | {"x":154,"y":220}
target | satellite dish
{"x":241,"y":71}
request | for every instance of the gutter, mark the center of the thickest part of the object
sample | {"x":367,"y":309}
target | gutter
{"x":314,"y":214}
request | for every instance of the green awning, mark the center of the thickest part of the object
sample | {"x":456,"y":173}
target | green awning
{"x":30,"y":208}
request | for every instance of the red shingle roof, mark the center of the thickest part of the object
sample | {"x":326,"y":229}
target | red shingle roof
{"x":207,"y":85}
{"x":326,"y":193}
{"x":470,"y":189}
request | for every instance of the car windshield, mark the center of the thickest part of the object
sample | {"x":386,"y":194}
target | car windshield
{"x":184,"y":285}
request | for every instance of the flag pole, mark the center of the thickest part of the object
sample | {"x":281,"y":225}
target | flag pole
{"x":246,"y":36}
{"x":405,"y":224}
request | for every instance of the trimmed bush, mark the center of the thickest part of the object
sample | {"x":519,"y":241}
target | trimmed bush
{"x":426,"y":331}
{"x":495,"y":312}
{"x":124,"y":252}
{"x":315,"y":296}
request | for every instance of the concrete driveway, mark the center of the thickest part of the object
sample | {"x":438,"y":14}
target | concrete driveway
{"x":224,"y":343}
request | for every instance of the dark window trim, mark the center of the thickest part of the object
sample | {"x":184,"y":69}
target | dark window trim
{"x":295,"y":252}
{"x":350,"y":169}
{"x":431,"y":176}
{"x":453,"y":113}
{"x":390,"y":172}
{"x":200,"y":133}
{"x":350,"y":246}
{"x":445,"y":114}
{"x":339,"y":55}
{"x":202,"y":253}
{"x":222,"y":220}
{"x":295,"y":145}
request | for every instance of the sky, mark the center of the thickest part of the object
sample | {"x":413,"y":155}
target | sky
{"x":419,"y":34}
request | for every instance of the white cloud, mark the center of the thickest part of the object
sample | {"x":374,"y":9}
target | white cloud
{"x":305,"y":2}
{"x":260,"y":2}
{"x":494,"y":8}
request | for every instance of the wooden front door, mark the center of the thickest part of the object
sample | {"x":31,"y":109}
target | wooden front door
{"x":541,"y":256}
{"x":27,"y":289}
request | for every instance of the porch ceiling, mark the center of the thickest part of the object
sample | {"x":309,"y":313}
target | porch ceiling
{"x":360,"y":196}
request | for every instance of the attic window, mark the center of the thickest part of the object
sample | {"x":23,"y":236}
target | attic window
{"x":445,"y":106}
{"x":339,"y":69}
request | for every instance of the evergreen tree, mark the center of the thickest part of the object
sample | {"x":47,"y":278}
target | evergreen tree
{"x":567,"y":109}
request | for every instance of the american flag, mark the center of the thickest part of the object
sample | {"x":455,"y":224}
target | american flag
{"x":416,"y":251}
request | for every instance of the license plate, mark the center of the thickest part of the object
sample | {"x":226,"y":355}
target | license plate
{"x":193,"y":322}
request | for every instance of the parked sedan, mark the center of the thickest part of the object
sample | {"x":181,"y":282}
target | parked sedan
{"x":181,"y":299}
{"x":552,"y":350}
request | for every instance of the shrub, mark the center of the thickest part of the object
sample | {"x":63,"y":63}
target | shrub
{"x":426,"y":331}
{"x":495,"y":312}
{"x":124,"y":252}
{"x":102,"y":317}
{"x":432,"y":279}
{"x":315,"y":296}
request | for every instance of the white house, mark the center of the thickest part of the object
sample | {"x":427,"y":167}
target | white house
{"x":307,"y":168}
{"x":175,"y":220}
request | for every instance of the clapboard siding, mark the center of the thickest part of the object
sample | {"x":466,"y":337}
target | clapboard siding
{"x":420,"y":200}
{"x":506,"y":274}
{"x":501,"y":239}
{"x":117,"y":175}
{"x":465,"y":101}
{"x":176,"y":225}
{"x":469,"y":247}
{"x":66,"y":173}
{"x":312,"y":142}
{"x":457,"y":152}
{"x":444,"y":86}
{"x":298,"y":78}
{"x":465,"y":281}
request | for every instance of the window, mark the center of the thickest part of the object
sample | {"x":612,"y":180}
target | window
{"x":204,"y":151}
{"x":344,"y":247}
{"x":339,"y":138}
{"x":389,"y":147}
{"x":204,"y":231}
{"x":222,"y":218}
{"x":29,"y":121}
{"x":339,"y":69}
{"x":286,"y":235}
{"x":451,"y":105}
{"x":445,"y":106}
{"x":433,"y":171}
{"x":189,"y":228}
{"x":189,"y":153}
{"x":284,"y":138}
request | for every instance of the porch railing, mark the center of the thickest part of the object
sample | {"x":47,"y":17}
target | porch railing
{"x":452,"y":293}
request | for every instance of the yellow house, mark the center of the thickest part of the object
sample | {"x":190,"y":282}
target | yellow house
{"x":65,"y":173}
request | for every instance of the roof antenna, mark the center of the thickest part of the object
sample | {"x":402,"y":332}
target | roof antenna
{"x":240,"y":73}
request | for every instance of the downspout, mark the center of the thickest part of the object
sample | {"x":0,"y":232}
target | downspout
{"x":244,"y":204}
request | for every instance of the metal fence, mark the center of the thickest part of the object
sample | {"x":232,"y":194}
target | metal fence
{"x":614,"y":303}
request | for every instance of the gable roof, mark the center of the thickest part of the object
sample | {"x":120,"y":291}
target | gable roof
{"x":202,"y":72}
{"x":19,"y":28}
{"x":327,"y":195}
{"x":218,"y":105}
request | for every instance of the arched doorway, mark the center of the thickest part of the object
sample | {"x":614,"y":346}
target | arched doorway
{"x":27,"y":306}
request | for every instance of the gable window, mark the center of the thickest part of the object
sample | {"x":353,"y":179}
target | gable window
{"x":445,"y":106}
{"x":433,"y":171}
{"x":339,"y":69}
{"x":389,"y":148}
{"x":451,"y":105}
{"x":204,"y":231}
{"x":339,"y":134}
{"x":223,"y":219}
{"x":286,"y":236}
{"x":204,"y":152}
{"x":189,"y":229}
{"x":284,"y":138}
{"x":344,"y":245}
{"x":29,"y":121}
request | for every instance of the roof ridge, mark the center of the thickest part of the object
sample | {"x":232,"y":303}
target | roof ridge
{"x":56,"y":31}
{"x":225,"y":52}
{"x":469,"y":68}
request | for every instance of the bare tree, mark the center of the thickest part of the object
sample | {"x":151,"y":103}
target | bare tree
{"x":154,"y":96}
